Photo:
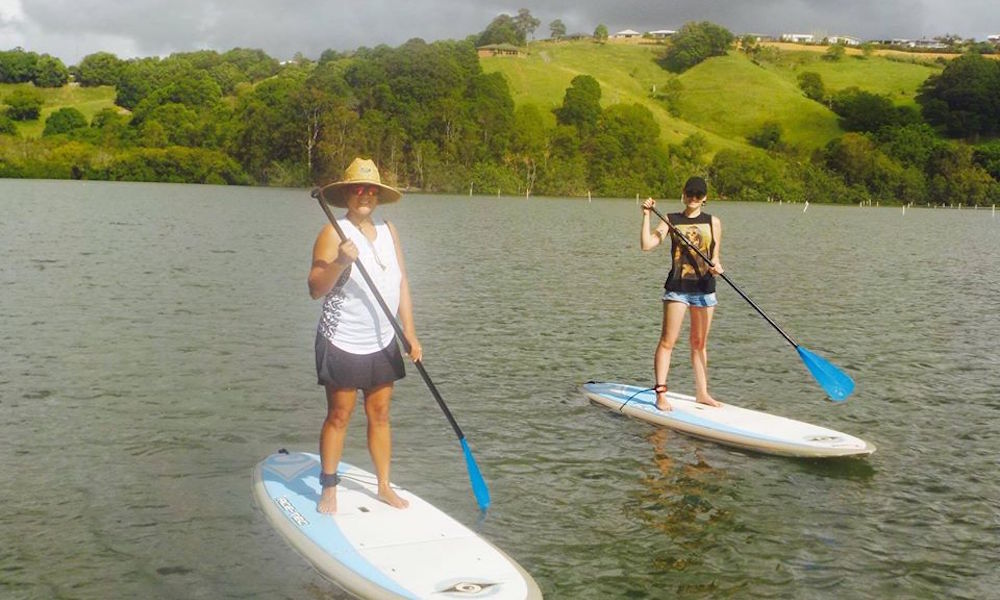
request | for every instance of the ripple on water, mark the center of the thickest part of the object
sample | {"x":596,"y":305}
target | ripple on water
{"x":145,"y":377}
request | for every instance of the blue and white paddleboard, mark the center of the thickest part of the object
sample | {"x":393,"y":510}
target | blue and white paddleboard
{"x":373,"y":550}
{"x":727,"y":424}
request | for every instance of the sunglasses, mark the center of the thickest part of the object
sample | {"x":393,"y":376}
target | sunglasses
{"x":364,"y":190}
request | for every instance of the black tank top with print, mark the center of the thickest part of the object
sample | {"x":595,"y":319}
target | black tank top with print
{"x":688,"y":272}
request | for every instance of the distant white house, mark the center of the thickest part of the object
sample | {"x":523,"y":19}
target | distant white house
{"x":798,"y":38}
{"x":662,"y":33}
{"x":626,"y":33}
{"x":843,"y":39}
{"x":927,"y":44}
{"x":993,"y":39}
{"x":894,"y":42}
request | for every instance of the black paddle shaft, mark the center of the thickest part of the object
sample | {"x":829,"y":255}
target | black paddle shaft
{"x":392,"y":319}
{"x":684,"y":239}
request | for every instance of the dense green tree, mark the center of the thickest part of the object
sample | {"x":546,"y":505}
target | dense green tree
{"x":694,"y":43}
{"x":691,"y":150}
{"x":203,"y":60}
{"x":331,"y":55}
{"x":835,"y":52}
{"x":811,"y":84}
{"x":768,"y":136}
{"x":964,"y":99}
{"x":565,"y":173}
{"x":671,"y":94}
{"x":50,"y":72}
{"x":194,"y":89}
{"x":99,"y":68}
{"x":173,"y":164}
{"x":581,"y":106}
{"x":7,"y":126}
{"x":136,"y":79}
{"x":502,"y":30}
{"x":626,"y":156}
{"x":557,"y":29}
{"x":110,"y":128}
{"x":748,"y":176}
{"x":269,"y":133}
{"x":987,"y":156}
{"x":821,"y":185}
{"x":858,"y":160}
{"x":912,"y":145}
{"x":17,"y":66}
{"x":491,"y":109}
{"x":24,"y":104}
{"x":253,"y":62}
{"x":601,"y":33}
{"x":956,"y":178}
{"x":526,"y":24}
{"x":529,"y":144}
{"x":489,"y":177}
{"x":749,"y":46}
{"x":64,"y":120}
{"x":228,"y":76}
{"x":864,"y":111}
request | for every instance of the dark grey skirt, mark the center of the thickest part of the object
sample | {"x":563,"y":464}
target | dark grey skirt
{"x":345,"y":370}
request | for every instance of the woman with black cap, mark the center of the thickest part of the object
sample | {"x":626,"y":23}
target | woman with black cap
{"x":690,"y":286}
{"x":356,"y":346}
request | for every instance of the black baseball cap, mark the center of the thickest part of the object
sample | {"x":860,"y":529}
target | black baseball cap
{"x":695,"y":187}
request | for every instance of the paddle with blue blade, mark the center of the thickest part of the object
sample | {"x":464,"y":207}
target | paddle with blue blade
{"x":479,"y":488}
{"x":837,"y":384}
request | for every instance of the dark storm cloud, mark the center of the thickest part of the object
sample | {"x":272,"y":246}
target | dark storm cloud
{"x":73,"y":28}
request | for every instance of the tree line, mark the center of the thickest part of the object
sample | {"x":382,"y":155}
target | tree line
{"x":434,"y":121}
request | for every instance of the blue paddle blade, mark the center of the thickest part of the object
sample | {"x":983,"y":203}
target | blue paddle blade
{"x":837,"y":384}
{"x":478,"y":484}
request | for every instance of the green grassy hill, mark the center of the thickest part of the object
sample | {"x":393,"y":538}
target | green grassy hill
{"x":89,"y":101}
{"x":726,"y":98}
{"x":627,"y":74}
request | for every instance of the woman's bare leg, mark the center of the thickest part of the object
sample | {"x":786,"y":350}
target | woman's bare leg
{"x":377,"y":402}
{"x":339,"y":406}
{"x":701,"y":323}
{"x":673,"y":318}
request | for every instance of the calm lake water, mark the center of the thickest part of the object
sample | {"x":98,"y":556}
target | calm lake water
{"x":156,"y":343}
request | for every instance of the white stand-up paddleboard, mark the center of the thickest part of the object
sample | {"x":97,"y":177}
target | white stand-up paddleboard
{"x":727,"y":424}
{"x":373,"y":550}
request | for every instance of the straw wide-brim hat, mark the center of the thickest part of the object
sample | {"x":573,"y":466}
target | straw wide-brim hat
{"x":361,"y":171}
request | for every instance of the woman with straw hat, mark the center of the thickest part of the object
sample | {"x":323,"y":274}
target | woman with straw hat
{"x":356,"y":347}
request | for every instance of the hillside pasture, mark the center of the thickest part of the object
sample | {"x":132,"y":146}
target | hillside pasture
{"x":88,"y":100}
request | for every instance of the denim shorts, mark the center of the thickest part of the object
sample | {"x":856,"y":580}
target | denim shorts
{"x":691,"y":299}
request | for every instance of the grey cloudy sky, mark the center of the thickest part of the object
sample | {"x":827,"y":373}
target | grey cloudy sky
{"x":71,"y":29}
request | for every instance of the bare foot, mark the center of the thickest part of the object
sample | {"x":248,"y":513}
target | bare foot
{"x":388,"y":495}
{"x":327,"y":504}
{"x":662,"y":403}
{"x":706,"y":399}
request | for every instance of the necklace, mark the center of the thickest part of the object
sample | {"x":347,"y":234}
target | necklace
{"x":371,"y":245}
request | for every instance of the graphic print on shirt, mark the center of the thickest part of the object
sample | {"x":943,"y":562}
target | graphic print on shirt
{"x":330,"y":317}
{"x":692,"y":266}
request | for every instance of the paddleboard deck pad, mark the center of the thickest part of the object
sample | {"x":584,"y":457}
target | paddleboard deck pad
{"x":373,"y":550}
{"x":729,"y":425}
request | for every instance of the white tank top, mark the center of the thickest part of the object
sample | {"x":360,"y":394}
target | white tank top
{"x":352,"y":319}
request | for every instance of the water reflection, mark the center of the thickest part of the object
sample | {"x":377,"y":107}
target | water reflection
{"x":683,"y":498}
{"x":848,"y":468}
